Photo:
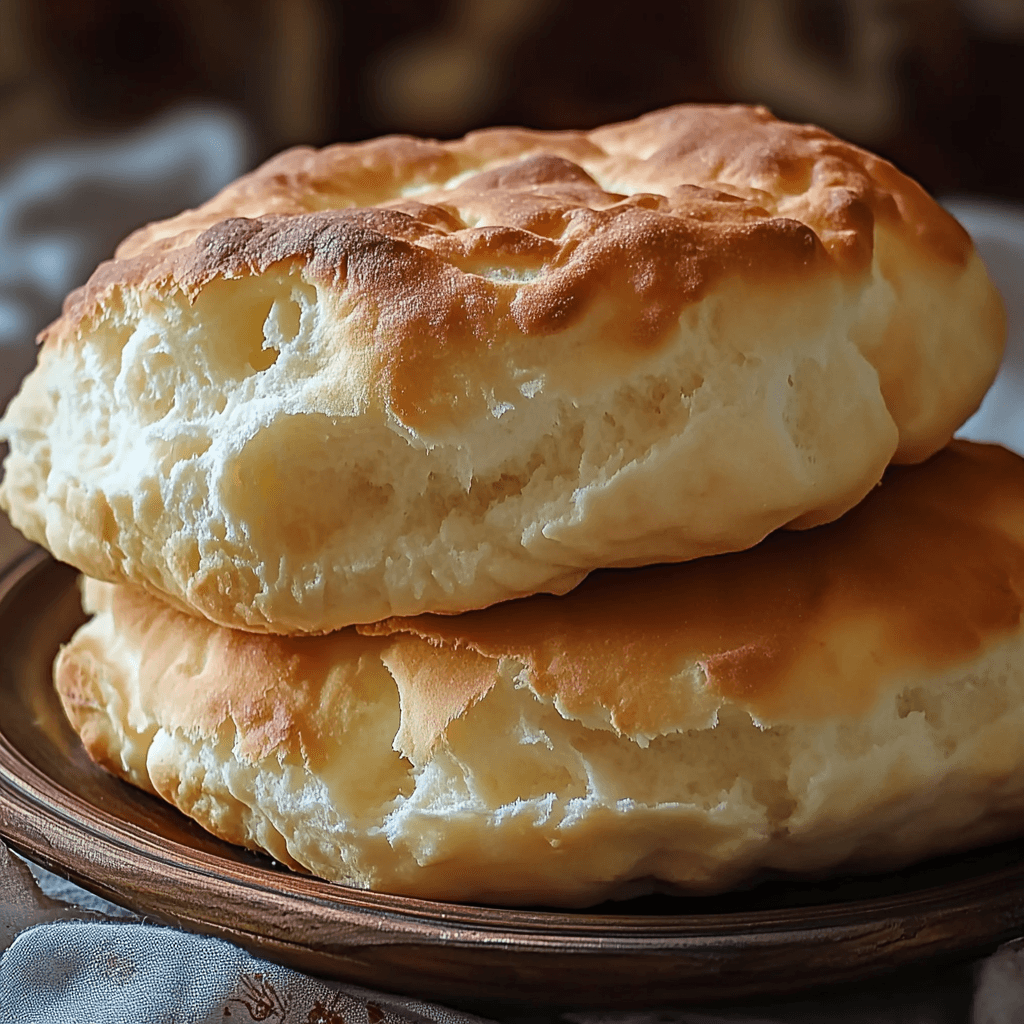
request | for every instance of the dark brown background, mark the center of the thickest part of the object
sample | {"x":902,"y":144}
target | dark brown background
{"x":936,"y":85}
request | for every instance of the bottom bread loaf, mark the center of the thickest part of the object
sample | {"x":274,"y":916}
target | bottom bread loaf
{"x":846,"y":698}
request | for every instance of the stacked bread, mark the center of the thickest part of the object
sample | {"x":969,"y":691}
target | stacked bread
{"x":500,"y":519}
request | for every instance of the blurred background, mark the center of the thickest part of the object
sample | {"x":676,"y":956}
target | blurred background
{"x":936,"y":85}
{"x":115,"y":112}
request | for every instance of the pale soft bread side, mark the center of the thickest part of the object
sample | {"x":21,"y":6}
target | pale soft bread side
{"x":411,"y":376}
{"x":848,"y":698}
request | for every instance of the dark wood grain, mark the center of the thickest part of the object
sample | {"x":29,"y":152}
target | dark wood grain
{"x":59,"y":809}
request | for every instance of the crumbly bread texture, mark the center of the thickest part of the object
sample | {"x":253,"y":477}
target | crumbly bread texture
{"x":847,"y":698}
{"x":408,"y":376}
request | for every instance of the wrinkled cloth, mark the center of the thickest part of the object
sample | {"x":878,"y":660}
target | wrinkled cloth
{"x":72,"y":972}
{"x":74,"y":957}
{"x":71,"y":957}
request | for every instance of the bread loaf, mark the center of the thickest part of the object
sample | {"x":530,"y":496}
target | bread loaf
{"x":405,"y":376}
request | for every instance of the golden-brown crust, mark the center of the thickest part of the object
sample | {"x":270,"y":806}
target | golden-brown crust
{"x":687,"y":197}
{"x":837,"y":188}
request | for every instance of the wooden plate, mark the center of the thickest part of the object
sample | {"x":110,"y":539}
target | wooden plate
{"x":59,"y":809}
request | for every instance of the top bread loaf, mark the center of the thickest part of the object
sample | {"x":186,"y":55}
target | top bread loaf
{"x":405,"y":376}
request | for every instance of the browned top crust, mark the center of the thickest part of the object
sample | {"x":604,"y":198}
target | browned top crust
{"x":444,"y":246}
{"x":834,"y":187}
